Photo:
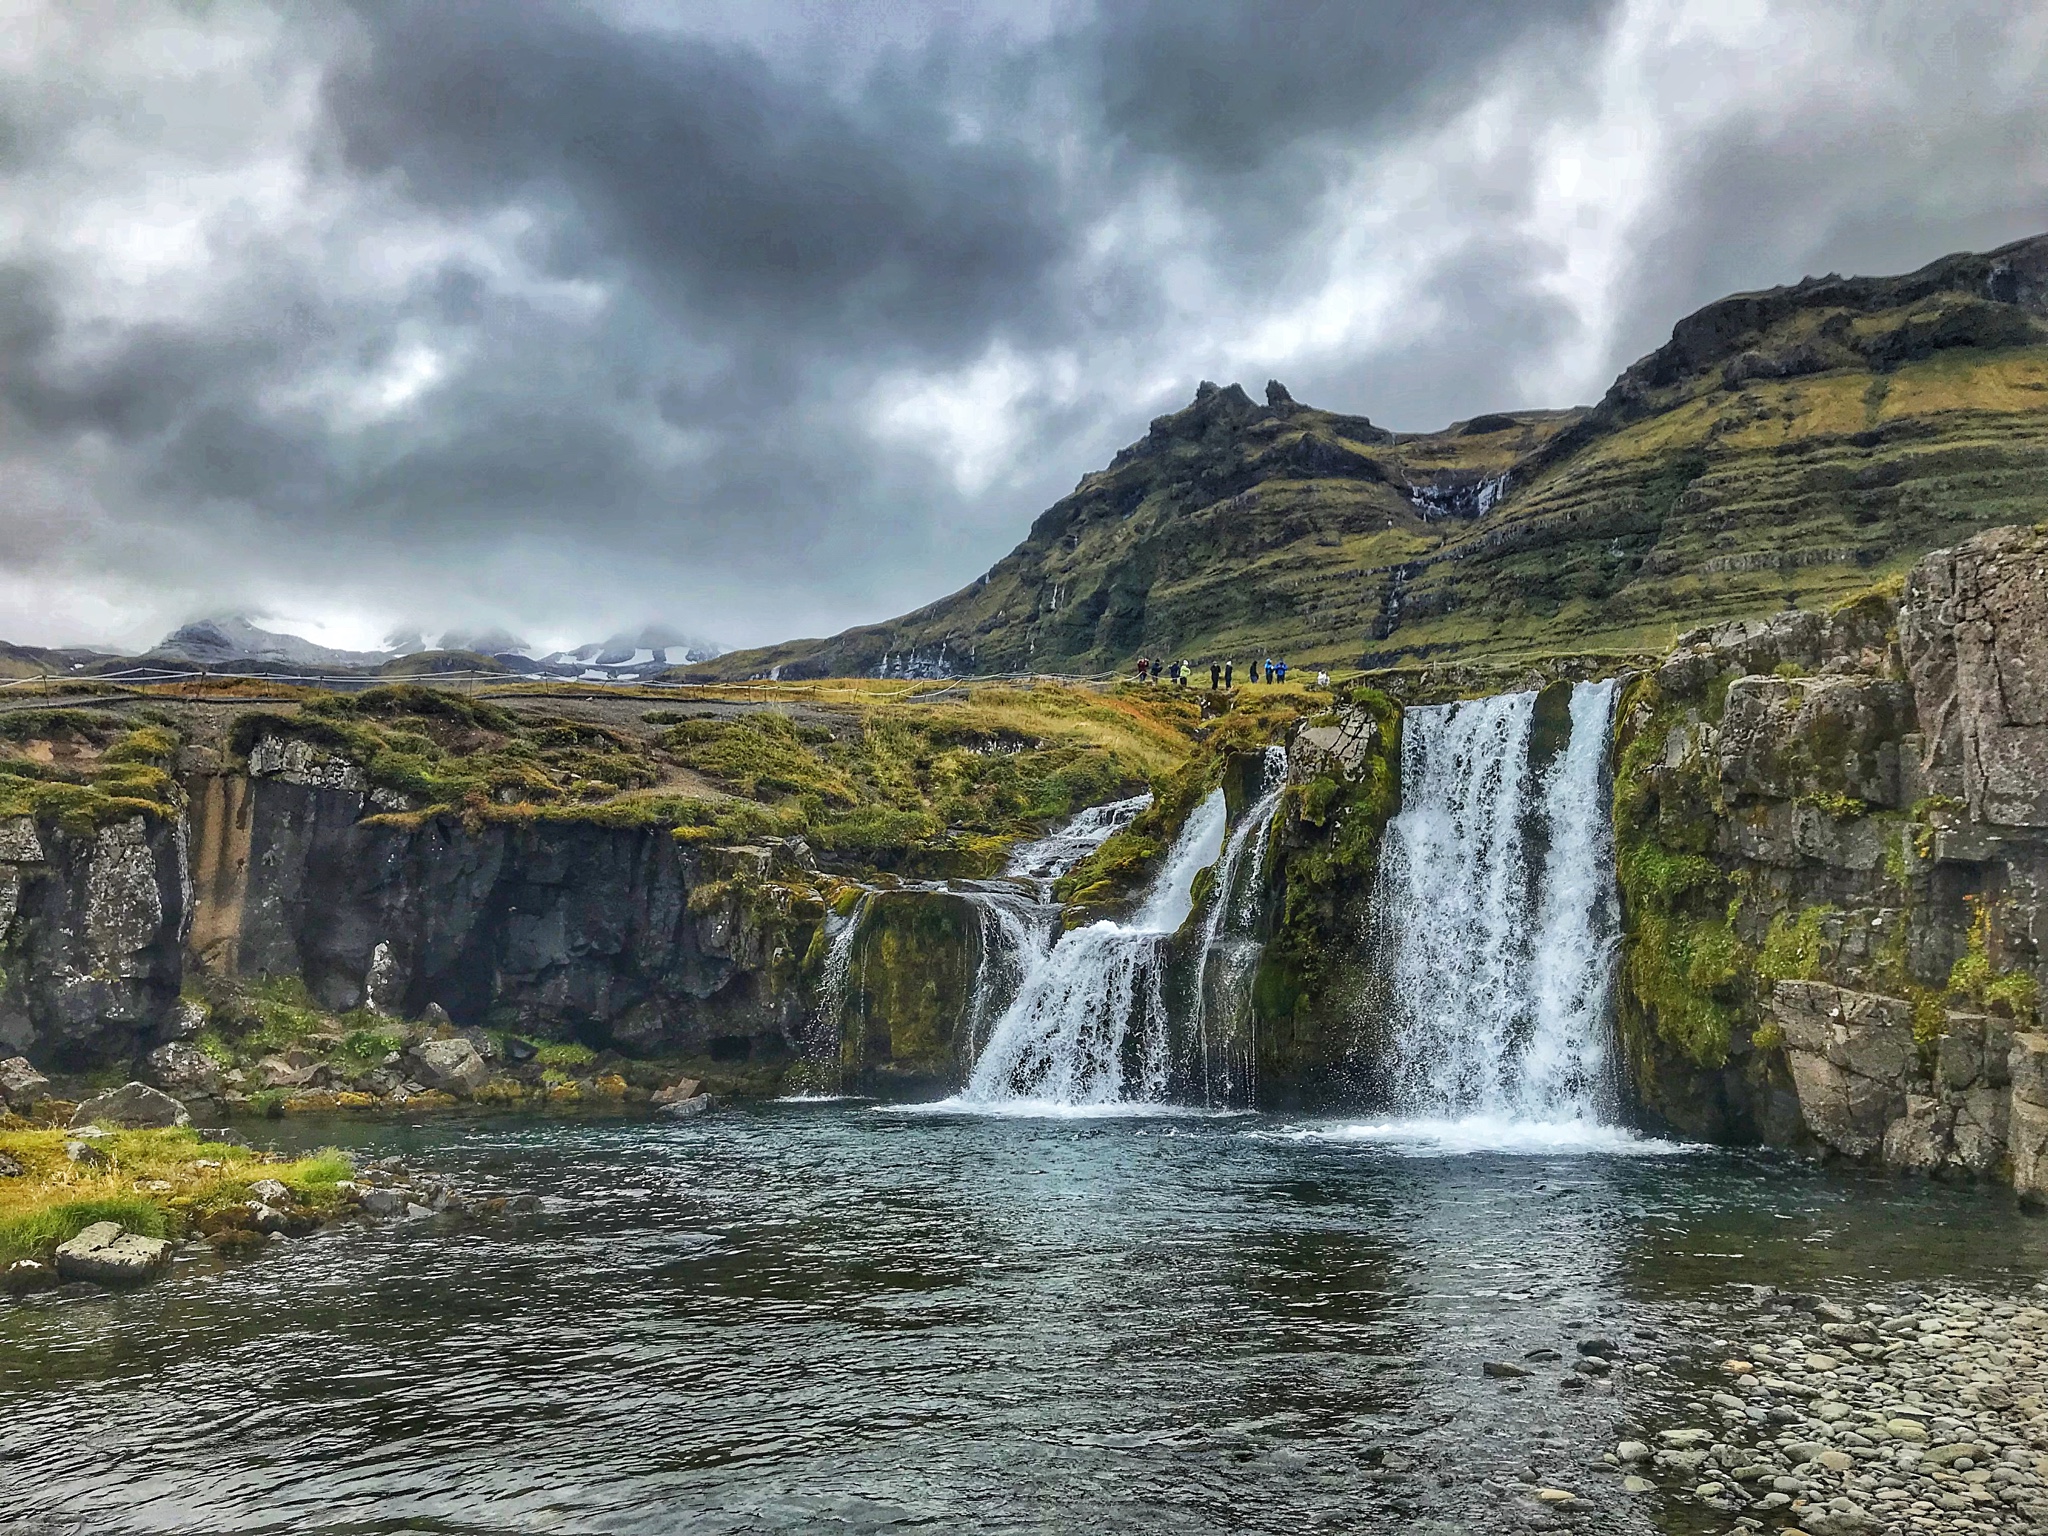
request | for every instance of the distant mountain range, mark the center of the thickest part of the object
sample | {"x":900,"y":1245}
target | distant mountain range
{"x":236,"y":644}
{"x":1784,"y":448}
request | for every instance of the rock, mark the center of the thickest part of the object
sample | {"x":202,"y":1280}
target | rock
{"x":1605,"y":1348}
{"x":1634,"y":1484}
{"x":436,"y":1017}
{"x":518,"y":1051}
{"x":9,"y":1168}
{"x":1922,"y":1139}
{"x":1906,"y":1429}
{"x":683,"y":1108}
{"x":107,"y":1254}
{"x":1973,"y":633}
{"x":184,"y":1069}
{"x":414,"y":1212}
{"x":522,"y":1205}
{"x":1852,"y":1055}
{"x":25,"y":1275}
{"x":22,"y":1087}
{"x":85,"y":1154}
{"x":386,"y":1202}
{"x":133,"y":1106}
{"x":1556,"y":1496}
{"x":270,"y":1192}
{"x":187,"y":1019}
{"x":449,"y":1066}
{"x":1340,"y":749}
{"x":1687,"y":1439}
{"x":282,"y":1072}
{"x":676,"y":1092}
{"x":1631,"y":1451}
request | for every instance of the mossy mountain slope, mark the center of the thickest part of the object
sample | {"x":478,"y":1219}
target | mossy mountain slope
{"x":1783,"y":447}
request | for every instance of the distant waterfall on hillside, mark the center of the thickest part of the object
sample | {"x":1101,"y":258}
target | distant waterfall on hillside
{"x":1499,"y":970}
{"x":1089,"y":1026}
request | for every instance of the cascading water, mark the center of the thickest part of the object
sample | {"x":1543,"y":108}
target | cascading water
{"x":1058,"y":852}
{"x":1088,"y":1026}
{"x":1230,"y":952}
{"x":1498,"y":982}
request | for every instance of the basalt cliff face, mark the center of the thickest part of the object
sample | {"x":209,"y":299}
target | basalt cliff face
{"x":1785,"y":446}
{"x":1833,"y":837}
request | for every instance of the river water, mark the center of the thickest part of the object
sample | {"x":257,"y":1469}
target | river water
{"x":838,"y":1316}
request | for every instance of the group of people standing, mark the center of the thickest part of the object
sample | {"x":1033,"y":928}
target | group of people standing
{"x":1222,"y":674}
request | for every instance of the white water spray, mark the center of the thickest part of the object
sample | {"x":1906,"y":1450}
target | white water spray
{"x":1088,"y":1026}
{"x":1499,"y":983}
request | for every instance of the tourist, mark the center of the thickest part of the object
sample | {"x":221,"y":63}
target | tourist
{"x":1215,"y":676}
{"x":1322,"y":679}
{"x":1144,"y":666}
{"x":1226,"y":675}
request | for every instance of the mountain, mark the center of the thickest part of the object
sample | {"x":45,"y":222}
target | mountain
{"x":235,"y":641}
{"x":1784,"y":448}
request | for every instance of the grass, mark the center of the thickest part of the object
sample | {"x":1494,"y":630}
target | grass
{"x":82,"y":769}
{"x":158,"y":1183}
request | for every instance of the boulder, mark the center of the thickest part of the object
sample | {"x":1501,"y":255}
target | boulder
{"x":449,"y":1066}
{"x":9,"y":1168}
{"x":682,"y":1109}
{"x":1341,"y":748}
{"x":132,"y":1106}
{"x":108,"y":1254}
{"x":184,"y":1069}
{"x":676,"y":1092}
{"x":1852,"y":1056}
{"x":22,"y":1087}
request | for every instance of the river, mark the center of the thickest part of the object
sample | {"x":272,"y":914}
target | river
{"x":841,"y":1316}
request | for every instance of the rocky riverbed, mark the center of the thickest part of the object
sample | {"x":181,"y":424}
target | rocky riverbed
{"x":1922,"y":1413}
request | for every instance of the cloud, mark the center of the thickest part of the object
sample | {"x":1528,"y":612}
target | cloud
{"x":766,"y":319}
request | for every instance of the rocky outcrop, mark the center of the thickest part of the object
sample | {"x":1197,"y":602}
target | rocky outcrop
{"x":1834,"y":850}
{"x":611,"y":935}
{"x":1973,"y":630}
{"x":91,"y":945}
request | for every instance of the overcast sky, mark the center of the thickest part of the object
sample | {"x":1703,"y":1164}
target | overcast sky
{"x":766,"y":318}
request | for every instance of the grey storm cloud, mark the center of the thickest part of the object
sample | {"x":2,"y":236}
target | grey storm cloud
{"x":767,"y":319}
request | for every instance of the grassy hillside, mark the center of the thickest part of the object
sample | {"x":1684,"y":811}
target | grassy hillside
{"x":1784,"y":447}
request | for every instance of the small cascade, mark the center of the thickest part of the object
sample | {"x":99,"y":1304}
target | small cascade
{"x":823,"y":1058}
{"x":1230,"y":951}
{"x":1052,"y":856}
{"x":1498,"y":969}
{"x":1088,"y":1025}
{"x":1016,"y":935}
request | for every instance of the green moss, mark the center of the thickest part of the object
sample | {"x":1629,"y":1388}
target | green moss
{"x":1681,"y":959}
{"x":557,"y":1054}
{"x":1792,"y":948}
{"x":1976,"y":979}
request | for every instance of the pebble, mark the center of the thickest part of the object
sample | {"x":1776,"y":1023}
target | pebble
{"x":1926,"y":1415}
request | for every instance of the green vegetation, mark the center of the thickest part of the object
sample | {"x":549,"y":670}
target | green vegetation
{"x":82,"y":769}
{"x":1333,"y":828}
{"x":1681,"y":959}
{"x":1792,"y":948}
{"x":157,"y":1183}
{"x":1976,"y":979}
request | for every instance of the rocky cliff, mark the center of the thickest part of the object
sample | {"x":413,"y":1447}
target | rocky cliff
{"x":1833,"y":834}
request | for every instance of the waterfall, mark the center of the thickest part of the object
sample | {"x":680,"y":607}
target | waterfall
{"x":1230,"y":954}
{"x":1088,"y":1026}
{"x":1498,"y":973}
{"x":1052,"y":856}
